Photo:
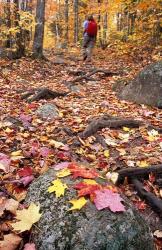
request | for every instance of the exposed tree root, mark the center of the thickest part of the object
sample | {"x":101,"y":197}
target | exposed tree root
{"x":119,"y":176}
{"x":86,"y":76}
{"x":149,"y":197}
{"x":43,"y":93}
{"x":109,"y":122}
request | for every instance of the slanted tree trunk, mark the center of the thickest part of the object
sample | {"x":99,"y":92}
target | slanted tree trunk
{"x":39,"y":29}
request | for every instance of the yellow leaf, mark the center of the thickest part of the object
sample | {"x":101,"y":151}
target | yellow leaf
{"x":56,"y":144}
{"x":107,"y":153}
{"x":63,"y":173}
{"x":126,"y":129}
{"x":16,"y":158}
{"x":58,"y":187}
{"x":16,"y":153}
{"x":27,"y":217}
{"x":78,"y":204}
{"x":142,"y":164}
{"x":61,"y":114}
{"x":89,"y":181}
{"x":8,"y":130}
{"x":80,"y":151}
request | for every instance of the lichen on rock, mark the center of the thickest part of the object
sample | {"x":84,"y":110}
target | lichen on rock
{"x":87,"y":229}
{"x":146,"y":88}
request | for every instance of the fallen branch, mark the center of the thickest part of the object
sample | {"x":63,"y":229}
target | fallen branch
{"x":101,"y":141}
{"x":43,"y":93}
{"x":159,"y":182}
{"x":150,"y":198}
{"x":109,"y":122}
{"x":86,"y":76}
{"x":119,"y":177}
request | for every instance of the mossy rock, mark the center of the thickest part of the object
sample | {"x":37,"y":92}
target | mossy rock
{"x":87,"y":229}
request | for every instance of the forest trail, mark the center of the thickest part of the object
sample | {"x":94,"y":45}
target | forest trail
{"x":23,"y":133}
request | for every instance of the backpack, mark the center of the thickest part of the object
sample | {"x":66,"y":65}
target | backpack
{"x":92,"y":29}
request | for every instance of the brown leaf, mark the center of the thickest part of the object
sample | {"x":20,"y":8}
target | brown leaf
{"x":8,"y":204}
{"x":10,"y":242}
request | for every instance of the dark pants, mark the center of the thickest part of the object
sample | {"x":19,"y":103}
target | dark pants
{"x":88,"y":45}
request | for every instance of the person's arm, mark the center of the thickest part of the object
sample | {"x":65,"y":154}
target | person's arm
{"x":85,"y":25}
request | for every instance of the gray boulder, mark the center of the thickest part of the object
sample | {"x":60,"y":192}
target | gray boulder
{"x":48,"y":111}
{"x":87,"y":229}
{"x":146,"y":88}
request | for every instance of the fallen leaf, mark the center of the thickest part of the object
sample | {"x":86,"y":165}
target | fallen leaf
{"x":56,"y":144}
{"x":78,"y":204}
{"x":107,"y":153}
{"x":142,"y":164}
{"x":110,"y":141}
{"x":26,"y":171}
{"x":29,"y":246}
{"x":27,"y":180}
{"x":124,"y":137}
{"x":27,"y":217}
{"x":44,"y":151}
{"x":158,"y":234}
{"x":4,"y":163}
{"x":86,"y":189}
{"x":11,"y":242}
{"x":16,"y":153}
{"x":79,"y":171}
{"x":89,"y":181}
{"x":108,"y":199}
{"x":8,"y":204}
{"x":126,"y":129}
{"x":63,"y":173}
{"x":61,"y":165}
{"x":58,"y":187}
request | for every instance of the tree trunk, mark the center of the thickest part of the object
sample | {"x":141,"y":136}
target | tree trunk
{"x":66,"y":21}
{"x":8,"y":22}
{"x":39,"y":29}
{"x":20,"y":48}
{"x":76,"y":32}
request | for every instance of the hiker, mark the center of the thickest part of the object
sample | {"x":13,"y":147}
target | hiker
{"x":89,"y":39}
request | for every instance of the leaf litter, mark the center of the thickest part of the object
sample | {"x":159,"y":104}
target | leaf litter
{"x":29,"y":146}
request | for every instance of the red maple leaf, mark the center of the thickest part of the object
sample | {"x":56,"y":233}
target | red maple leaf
{"x":79,"y":171}
{"x":86,"y":189}
{"x":26,"y":171}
